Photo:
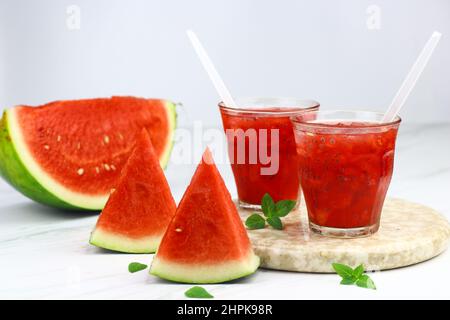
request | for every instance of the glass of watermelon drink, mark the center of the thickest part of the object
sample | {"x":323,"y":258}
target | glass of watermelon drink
{"x":346,"y":163}
{"x":261,"y":148}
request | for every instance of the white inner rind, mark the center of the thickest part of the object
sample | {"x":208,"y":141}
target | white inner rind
{"x":171,"y":118}
{"x":77,"y":199}
{"x":205,"y":273}
{"x":117,"y":242}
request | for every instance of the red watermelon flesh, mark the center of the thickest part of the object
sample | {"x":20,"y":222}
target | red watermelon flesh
{"x":75,"y":149}
{"x":140,"y":207}
{"x":84,"y":142}
{"x":206,"y":241}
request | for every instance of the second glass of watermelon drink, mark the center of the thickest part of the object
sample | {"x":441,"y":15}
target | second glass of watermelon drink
{"x":346,"y":163}
{"x":261,"y":148}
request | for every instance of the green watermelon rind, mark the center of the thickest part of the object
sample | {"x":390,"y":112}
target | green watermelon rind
{"x":205,"y":273}
{"x":121,"y":243}
{"x":18,"y":175}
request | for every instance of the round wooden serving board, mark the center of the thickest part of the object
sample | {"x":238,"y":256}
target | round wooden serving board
{"x":409,"y":233}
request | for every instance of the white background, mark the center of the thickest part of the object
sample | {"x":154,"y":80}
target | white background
{"x":312,"y":49}
{"x":322,"y":50}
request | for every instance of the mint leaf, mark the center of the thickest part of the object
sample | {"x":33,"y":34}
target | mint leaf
{"x":354,"y":276}
{"x":255,"y":221}
{"x":283,"y":207}
{"x":347,"y":281}
{"x":136,"y":266}
{"x":344,"y":271}
{"x":359,"y":270}
{"x":198,"y":292}
{"x":267,"y":205}
{"x":365,"y":282}
{"x":275,"y":222}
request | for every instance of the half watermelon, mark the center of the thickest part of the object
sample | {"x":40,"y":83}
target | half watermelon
{"x":68,"y":154}
{"x":140,"y":207}
{"x":206,"y":241}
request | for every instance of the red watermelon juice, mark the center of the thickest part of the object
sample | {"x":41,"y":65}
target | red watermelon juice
{"x":262,"y":149}
{"x":346,"y":162}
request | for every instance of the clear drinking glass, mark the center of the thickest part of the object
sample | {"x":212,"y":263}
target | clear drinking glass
{"x":346,"y":160}
{"x":261,"y":147}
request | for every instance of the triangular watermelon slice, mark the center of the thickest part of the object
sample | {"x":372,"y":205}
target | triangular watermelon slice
{"x":140,"y":207}
{"x":206,"y":241}
{"x":69,"y":154}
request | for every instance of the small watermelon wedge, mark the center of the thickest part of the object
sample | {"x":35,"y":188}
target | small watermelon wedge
{"x":140,"y":207}
{"x":206,"y":241}
{"x":69,"y":154}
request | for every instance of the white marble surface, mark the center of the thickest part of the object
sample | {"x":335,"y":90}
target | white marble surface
{"x":44,"y":253}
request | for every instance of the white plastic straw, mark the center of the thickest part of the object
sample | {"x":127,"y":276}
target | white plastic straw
{"x":211,"y":70}
{"x":412,"y":77}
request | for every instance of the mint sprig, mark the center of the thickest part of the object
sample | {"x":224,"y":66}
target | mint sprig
{"x":136,"y":266}
{"x":272,"y":212}
{"x":352,"y":276}
{"x":198,"y":292}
